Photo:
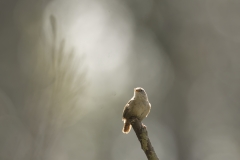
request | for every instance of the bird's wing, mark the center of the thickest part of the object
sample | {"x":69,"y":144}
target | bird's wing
{"x":149,"y":109}
{"x":126,"y":108}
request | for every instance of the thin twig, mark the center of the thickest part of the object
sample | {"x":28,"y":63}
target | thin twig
{"x":142,"y":134}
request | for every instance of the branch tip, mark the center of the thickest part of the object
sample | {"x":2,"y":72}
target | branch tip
{"x":142,"y":134}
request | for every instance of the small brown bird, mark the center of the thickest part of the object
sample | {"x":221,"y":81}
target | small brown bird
{"x":138,"y":106}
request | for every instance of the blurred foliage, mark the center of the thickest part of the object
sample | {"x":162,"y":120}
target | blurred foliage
{"x":62,"y":93}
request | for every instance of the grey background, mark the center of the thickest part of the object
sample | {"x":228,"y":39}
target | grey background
{"x":67,"y":68}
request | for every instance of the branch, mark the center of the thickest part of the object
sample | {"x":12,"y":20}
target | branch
{"x":142,"y":134}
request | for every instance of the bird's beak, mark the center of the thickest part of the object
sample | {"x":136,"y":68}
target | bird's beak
{"x":138,"y":89}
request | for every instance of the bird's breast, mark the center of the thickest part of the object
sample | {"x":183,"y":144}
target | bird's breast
{"x":140,"y":109}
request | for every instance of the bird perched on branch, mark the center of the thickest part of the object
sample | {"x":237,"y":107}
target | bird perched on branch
{"x":138,"y":106}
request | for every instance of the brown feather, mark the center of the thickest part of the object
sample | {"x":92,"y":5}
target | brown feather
{"x":127,"y":127}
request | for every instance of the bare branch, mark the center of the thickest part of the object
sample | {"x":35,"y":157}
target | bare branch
{"x":142,"y":134}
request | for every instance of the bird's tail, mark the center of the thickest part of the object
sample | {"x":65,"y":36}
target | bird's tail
{"x":126,"y":127}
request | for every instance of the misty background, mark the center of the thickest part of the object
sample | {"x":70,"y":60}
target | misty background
{"x":67,"y":69}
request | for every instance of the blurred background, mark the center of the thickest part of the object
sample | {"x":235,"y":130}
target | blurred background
{"x":67,"y":69}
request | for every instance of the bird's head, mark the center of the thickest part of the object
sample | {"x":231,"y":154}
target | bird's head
{"x":140,"y":93}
